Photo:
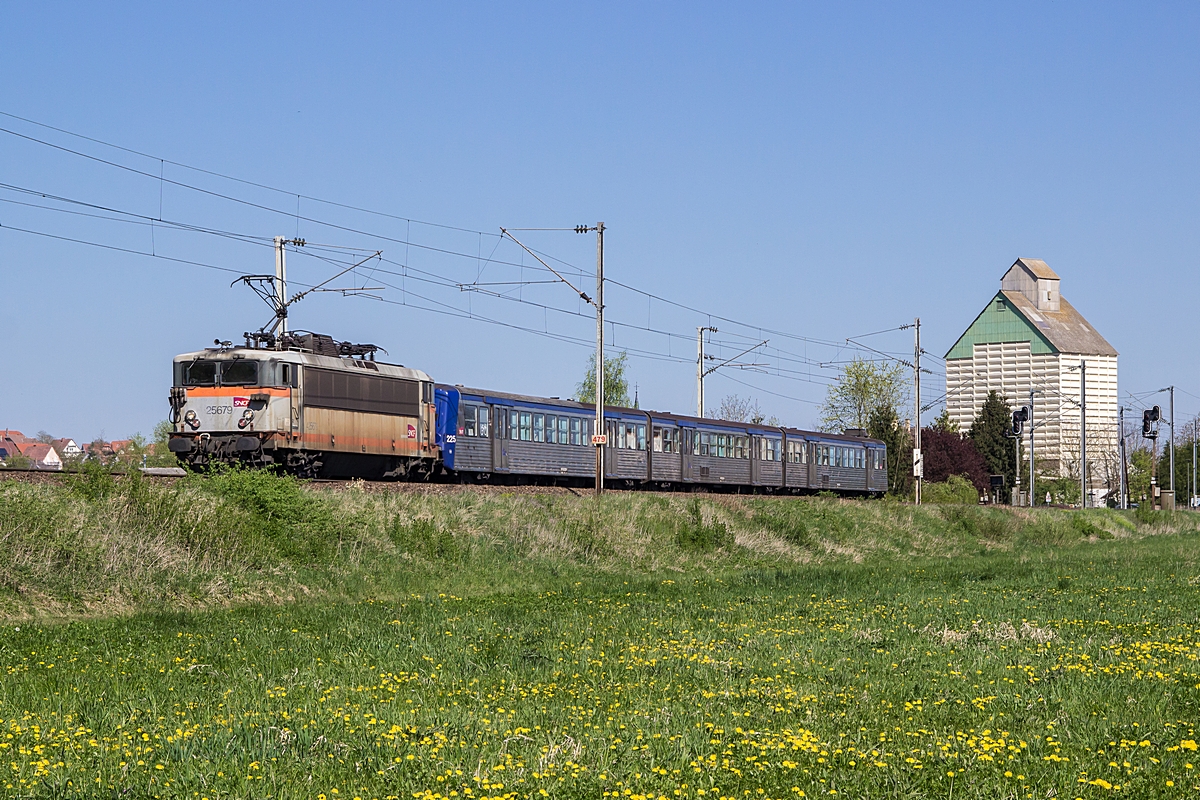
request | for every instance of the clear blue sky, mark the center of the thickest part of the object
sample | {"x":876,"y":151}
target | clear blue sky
{"x":821,"y":170}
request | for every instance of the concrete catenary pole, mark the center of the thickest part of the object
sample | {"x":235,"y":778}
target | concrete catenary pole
{"x":1123,"y":498}
{"x":700,"y":372}
{"x":1083,"y":481}
{"x":1172,"y":389}
{"x":280,"y":286}
{"x":1031,"y":480}
{"x":600,"y":447}
{"x":917,"y":409}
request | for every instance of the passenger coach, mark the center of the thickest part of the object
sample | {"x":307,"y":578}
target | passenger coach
{"x":489,"y":436}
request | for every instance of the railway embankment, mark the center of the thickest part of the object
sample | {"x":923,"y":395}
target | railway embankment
{"x":95,"y":544}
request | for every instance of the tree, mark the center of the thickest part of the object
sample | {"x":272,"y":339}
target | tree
{"x":740,"y":409}
{"x":944,"y":423}
{"x":44,"y":437}
{"x":863,"y":388}
{"x":616,"y":384}
{"x":989,"y":433}
{"x":949,"y":454}
{"x":883,"y":425}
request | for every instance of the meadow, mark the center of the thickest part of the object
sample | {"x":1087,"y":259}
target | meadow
{"x":243,"y":636}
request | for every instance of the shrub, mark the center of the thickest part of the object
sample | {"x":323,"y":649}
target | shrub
{"x":955,"y":489}
{"x":696,"y":535}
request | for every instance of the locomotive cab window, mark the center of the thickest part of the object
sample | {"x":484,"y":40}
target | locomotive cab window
{"x":200,"y":373}
{"x":239,"y":373}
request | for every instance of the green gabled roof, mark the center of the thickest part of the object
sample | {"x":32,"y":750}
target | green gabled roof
{"x":995,"y":325}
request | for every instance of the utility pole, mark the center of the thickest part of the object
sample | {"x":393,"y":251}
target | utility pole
{"x":1192,"y":497}
{"x":918,"y":458}
{"x":599,"y":440}
{"x":700,"y":369}
{"x":1083,"y":481}
{"x":1124,"y":496}
{"x":1031,"y":480}
{"x":1172,"y":389}
{"x":280,"y":286}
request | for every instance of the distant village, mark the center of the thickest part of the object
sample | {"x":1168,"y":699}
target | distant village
{"x":46,"y":452}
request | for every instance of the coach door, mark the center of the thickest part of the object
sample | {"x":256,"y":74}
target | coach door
{"x":499,"y":435}
{"x":755,"y":452}
{"x":686,"y":438}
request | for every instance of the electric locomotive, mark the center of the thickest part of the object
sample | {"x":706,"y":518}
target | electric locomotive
{"x":314,"y":406}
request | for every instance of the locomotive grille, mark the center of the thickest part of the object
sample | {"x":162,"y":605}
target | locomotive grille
{"x":372,"y":394}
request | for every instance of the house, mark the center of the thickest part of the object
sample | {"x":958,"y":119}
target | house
{"x":67,"y":449}
{"x":1028,"y":338}
{"x":8,"y":443}
{"x":40,"y":455}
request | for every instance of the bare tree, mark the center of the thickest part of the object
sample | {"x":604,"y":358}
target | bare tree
{"x":741,"y":409}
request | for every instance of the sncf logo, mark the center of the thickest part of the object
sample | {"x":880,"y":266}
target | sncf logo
{"x":241,"y":402}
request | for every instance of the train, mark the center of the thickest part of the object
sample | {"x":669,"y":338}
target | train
{"x":315,"y":407}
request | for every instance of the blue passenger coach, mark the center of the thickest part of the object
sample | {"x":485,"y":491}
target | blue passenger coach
{"x":496,"y":436}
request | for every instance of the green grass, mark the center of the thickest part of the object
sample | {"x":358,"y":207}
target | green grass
{"x":246,"y":637}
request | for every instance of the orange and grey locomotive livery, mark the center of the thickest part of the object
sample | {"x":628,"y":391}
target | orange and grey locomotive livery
{"x":314,"y":406}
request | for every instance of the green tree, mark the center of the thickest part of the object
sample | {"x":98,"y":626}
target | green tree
{"x":989,"y":432}
{"x":883,"y":425}
{"x":863,"y":388}
{"x":616,"y":383}
{"x":1140,"y":463}
{"x":1183,"y":470}
{"x":944,"y":423}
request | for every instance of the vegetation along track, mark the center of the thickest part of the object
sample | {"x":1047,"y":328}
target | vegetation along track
{"x":242,"y":635}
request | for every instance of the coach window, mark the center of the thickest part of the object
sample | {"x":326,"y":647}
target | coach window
{"x":551,"y":429}
{"x":657,"y":440}
{"x":641,"y":437}
{"x":483,"y":422}
{"x":526,"y":426}
{"x":514,"y":426}
{"x":539,"y":422}
{"x":564,"y":435}
{"x":468,"y":426}
{"x":200,"y":373}
{"x":670,"y":440}
{"x":859,"y":458}
{"x":575,"y":435}
{"x":239,"y":373}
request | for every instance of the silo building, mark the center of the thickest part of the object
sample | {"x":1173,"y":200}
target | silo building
{"x":1028,"y":337}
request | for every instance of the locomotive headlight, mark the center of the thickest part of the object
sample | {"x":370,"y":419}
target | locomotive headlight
{"x":247,"y":418}
{"x":190,"y":419}
{"x":190,"y":415}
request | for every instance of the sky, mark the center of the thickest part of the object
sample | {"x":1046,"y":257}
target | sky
{"x":794,"y":173}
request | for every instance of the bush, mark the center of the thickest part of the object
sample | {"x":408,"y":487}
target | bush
{"x":423,"y":537}
{"x":297,"y":525}
{"x":955,"y":489}
{"x":696,"y":535}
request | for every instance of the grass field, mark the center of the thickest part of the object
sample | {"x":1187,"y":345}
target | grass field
{"x":243,"y":637}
